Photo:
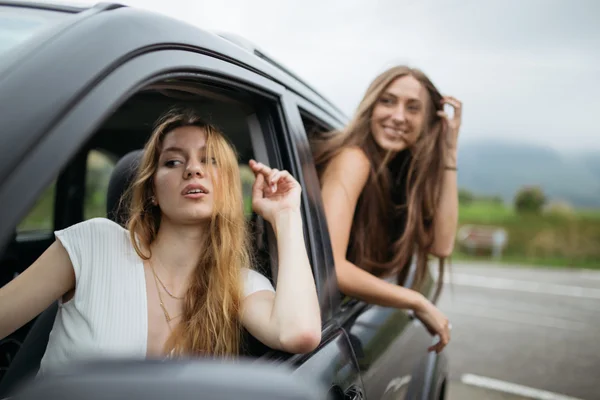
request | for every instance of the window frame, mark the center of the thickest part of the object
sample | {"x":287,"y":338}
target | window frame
{"x":319,"y":243}
{"x":64,"y":141}
{"x":68,"y":135}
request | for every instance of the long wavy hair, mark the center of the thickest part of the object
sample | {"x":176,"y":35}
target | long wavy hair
{"x":414,"y":176}
{"x":210,"y":324}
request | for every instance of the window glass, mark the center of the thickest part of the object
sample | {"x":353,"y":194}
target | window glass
{"x":247,"y":177}
{"x":41,"y":217}
{"x":98,"y":171}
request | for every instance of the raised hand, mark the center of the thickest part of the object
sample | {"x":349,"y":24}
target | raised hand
{"x":274,"y":191}
{"x":454,"y":123}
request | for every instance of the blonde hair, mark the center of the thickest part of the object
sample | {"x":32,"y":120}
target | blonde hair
{"x":210,"y":323}
{"x":420,"y":172}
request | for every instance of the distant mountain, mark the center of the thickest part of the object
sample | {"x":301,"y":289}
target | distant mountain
{"x":592,"y":162}
{"x":496,"y":167}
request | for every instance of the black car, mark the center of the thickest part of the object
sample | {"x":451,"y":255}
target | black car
{"x":80,"y":89}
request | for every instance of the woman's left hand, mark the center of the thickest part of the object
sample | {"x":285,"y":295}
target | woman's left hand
{"x":454,"y":123}
{"x":273,"y":191}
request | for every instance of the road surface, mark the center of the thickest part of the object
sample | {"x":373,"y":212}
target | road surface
{"x":523,"y":333}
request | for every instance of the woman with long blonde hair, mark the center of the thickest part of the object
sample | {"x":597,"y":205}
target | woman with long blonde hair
{"x":390,"y":192}
{"x":179,"y":280}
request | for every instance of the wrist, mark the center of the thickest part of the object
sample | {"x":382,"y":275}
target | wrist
{"x":284,"y":218}
{"x":419,"y":303}
{"x":451,"y":157}
{"x":410,"y":299}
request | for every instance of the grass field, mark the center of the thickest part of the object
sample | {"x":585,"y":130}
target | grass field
{"x":569,"y":239}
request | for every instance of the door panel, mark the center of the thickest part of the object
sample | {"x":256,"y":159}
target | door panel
{"x":392,"y":355}
{"x":334,"y":364}
{"x":391,"y":345}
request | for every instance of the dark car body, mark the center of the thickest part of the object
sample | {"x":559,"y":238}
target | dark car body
{"x":86,"y":82}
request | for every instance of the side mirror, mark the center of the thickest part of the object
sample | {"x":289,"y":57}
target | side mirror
{"x":181,"y":380}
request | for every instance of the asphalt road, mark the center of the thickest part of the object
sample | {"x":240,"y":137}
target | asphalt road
{"x":537,"y":329}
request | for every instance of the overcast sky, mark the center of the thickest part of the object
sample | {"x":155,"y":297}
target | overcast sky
{"x":526,"y":70}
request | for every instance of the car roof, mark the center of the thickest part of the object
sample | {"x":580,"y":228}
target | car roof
{"x":223,"y":43}
{"x":56,"y":5}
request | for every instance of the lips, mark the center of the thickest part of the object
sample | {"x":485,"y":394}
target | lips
{"x":194,"y":189}
{"x":393,"y":131}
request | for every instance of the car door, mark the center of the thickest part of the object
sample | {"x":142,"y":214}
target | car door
{"x":393,"y":356}
{"x":390,"y":344}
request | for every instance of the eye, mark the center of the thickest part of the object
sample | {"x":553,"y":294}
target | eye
{"x":414,"y":108}
{"x":172,"y":163}
{"x":386,"y":100}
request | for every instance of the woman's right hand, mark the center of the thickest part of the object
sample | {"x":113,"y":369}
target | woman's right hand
{"x":274,"y":192}
{"x":435,"y":322}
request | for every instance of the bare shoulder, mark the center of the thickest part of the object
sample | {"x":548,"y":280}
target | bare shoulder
{"x":352,"y":156}
{"x":350,"y":167}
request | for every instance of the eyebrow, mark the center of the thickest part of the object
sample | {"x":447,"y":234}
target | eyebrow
{"x":386,"y":93}
{"x":173,"y":149}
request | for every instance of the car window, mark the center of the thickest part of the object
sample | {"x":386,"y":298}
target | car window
{"x":98,"y":170}
{"x":41,"y":217}
{"x":247,"y":177}
{"x":312,"y":125}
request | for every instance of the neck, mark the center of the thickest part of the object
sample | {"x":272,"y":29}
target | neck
{"x":177,"y":249}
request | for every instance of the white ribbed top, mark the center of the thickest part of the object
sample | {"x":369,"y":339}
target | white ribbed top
{"x":108,"y":316}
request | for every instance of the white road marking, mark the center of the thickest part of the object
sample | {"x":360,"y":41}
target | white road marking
{"x":512,"y":388}
{"x":522,"y":286}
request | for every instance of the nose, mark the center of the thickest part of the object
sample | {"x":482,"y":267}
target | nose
{"x":399,"y":116}
{"x":194,"y":169}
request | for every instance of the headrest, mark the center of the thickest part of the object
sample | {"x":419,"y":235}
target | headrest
{"x":120,"y":179}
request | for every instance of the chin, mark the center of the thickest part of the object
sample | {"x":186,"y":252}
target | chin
{"x":191,"y":217}
{"x":393,"y":146}
{"x":398,"y":148}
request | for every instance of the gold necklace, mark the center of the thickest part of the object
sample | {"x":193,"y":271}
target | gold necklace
{"x":162,"y":305}
{"x":164,"y":287}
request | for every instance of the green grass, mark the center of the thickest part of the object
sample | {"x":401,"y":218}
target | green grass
{"x":566,"y":240}
{"x":589,"y":214}
{"x":486,"y":213}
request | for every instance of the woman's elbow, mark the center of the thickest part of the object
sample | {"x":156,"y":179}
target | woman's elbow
{"x":443,"y":250}
{"x":301,"y":341}
{"x":344,"y":280}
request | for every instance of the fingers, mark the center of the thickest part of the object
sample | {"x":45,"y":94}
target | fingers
{"x":263,"y":171}
{"x":258,"y":167}
{"x":443,"y":114}
{"x":257,"y":187}
{"x":444,"y":336}
{"x":273,"y":179}
{"x":457,"y":104}
{"x":272,"y":176}
{"x":452,"y":101}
